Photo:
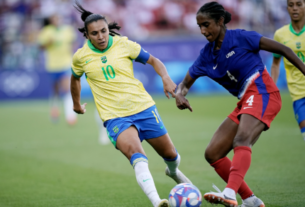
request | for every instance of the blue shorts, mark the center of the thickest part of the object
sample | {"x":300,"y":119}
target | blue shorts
{"x":147,"y":122}
{"x":299,"y":110}
{"x":57,"y":76}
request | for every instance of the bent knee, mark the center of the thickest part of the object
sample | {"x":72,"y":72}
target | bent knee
{"x":211,"y":156}
{"x":242,"y":139}
{"x":169,"y":154}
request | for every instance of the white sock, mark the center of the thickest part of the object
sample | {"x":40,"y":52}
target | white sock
{"x":68,"y":107}
{"x":173,"y":165}
{"x":53,"y":101}
{"x":303,"y":134}
{"x":230,"y":193}
{"x":146,"y":182}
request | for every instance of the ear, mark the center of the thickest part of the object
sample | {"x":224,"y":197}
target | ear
{"x":221,"y":21}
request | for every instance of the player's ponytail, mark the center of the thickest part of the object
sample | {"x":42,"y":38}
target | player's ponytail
{"x":89,"y":17}
{"x":215,"y":11}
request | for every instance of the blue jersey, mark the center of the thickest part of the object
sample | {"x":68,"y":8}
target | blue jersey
{"x":233,"y":65}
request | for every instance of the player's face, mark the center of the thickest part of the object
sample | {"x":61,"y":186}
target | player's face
{"x":55,"y":20}
{"x":98,"y":34}
{"x":296,"y":9}
{"x":208,"y":26}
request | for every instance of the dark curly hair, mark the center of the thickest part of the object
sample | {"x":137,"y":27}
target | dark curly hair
{"x":88,"y":17}
{"x":215,"y":11}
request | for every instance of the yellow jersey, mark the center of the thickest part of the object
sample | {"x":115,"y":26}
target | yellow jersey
{"x":59,"y":53}
{"x":116,"y":92}
{"x":296,"y":41}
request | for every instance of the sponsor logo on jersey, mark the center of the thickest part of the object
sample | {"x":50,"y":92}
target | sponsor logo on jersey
{"x":215,"y":67}
{"x":88,"y":60}
{"x":104,"y":59}
{"x":230,"y":54}
{"x":116,"y":129}
{"x":286,"y":42}
{"x":298,"y":44}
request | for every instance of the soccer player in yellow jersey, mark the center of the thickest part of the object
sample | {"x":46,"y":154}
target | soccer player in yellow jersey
{"x":57,"y":40}
{"x":128,"y":111}
{"x":293,"y":36}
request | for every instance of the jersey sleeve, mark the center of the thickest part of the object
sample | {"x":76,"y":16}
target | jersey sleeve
{"x":276,"y":38}
{"x":44,"y":36}
{"x":137,"y":53}
{"x":198,"y":69}
{"x":250,"y":40}
{"x":76,"y":67}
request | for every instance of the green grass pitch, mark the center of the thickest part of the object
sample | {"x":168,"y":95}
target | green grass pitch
{"x":47,"y":165}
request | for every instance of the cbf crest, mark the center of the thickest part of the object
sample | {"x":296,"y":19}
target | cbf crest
{"x":115,"y":129}
{"x":298,"y":44}
{"x":104,"y":59}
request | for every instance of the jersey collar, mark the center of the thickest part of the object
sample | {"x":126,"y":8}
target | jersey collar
{"x":91,"y":46}
{"x":293,"y":32}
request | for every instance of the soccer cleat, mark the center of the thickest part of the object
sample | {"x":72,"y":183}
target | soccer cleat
{"x":72,"y":121}
{"x":179,"y":177}
{"x":252,"y":201}
{"x":220,"y":198}
{"x":163,"y":203}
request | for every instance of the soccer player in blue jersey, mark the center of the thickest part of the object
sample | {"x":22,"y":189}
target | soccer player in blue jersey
{"x":231,"y":58}
{"x":128,"y":111}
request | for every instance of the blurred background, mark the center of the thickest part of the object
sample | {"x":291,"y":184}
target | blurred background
{"x":165,"y":28}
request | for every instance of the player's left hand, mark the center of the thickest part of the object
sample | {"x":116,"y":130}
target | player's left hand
{"x":169,"y":86}
{"x":81,"y":109}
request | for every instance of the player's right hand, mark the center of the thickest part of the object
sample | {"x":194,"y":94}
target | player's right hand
{"x":182,"y":102}
{"x":80,"y":109}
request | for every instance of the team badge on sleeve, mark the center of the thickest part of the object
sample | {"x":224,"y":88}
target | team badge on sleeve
{"x":104,"y":59}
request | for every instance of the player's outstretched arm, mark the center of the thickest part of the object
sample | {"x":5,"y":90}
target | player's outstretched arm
{"x":275,"y":69}
{"x":168,"y":85}
{"x":75,"y":92}
{"x":278,"y":48}
{"x":182,"y":90}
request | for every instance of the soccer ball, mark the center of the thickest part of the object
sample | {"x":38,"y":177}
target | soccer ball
{"x":185,"y":195}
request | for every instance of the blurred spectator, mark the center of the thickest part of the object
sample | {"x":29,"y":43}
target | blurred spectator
{"x":57,"y":41}
{"x":20,"y":21}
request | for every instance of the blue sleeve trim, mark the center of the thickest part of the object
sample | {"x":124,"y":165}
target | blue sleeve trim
{"x":74,"y":74}
{"x":192,"y":74}
{"x":143,"y":57}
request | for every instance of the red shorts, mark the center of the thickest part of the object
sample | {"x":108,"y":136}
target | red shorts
{"x":258,"y":102}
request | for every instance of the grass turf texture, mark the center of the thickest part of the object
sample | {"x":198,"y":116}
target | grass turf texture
{"x":44,"y":164}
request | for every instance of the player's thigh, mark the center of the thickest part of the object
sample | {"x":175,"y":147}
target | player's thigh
{"x":151,"y":128}
{"x":299,"y":112}
{"x":302,"y":124}
{"x":163,"y":146}
{"x":256,"y":114}
{"x":128,"y":142}
{"x":222,"y":141}
{"x":248,"y":131}
{"x":64,"y":83}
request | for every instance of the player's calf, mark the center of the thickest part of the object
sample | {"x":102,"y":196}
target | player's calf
{"x":144,"y":178}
